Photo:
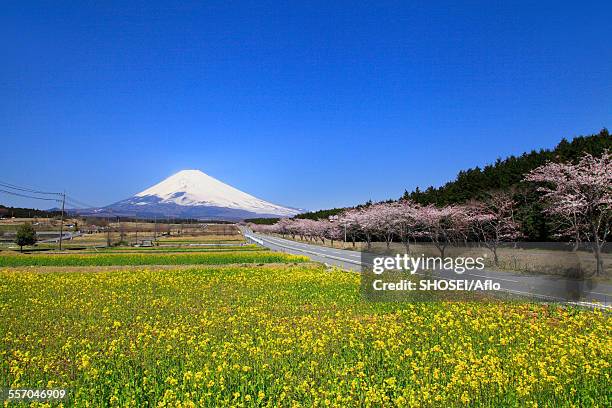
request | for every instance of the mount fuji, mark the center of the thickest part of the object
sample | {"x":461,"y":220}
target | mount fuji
{"x":194,"y":194}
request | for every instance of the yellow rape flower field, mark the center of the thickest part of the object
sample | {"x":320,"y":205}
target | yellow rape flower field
{"x":287,"y":335}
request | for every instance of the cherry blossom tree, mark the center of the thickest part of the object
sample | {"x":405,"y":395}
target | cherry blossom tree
{"x":368,"y":223}
{"x":264,"y":229}
{"x":405,"y":216}
{"x":320,"y":228}
{"x":306,"y":228}
{"x":282,"y":226}
{"x":582,"y":195}
{"x":492,"y":220}
{"x":461,"y":223}
{"x":300,"y":227}
{"x":350,"y":225}
{"x":332,"y":231}
{"x":441,"y":226}
{"x":384,"y":217}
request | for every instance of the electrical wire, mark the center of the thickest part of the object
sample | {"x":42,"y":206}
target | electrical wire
{"x":29,"y":196}
{"x":76,"y":206}
{"x":68,"y":199}
{"x":79,"y":203}
{"x":28,"y":190}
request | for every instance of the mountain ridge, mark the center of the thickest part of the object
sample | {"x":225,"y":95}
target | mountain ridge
{"x":193,"y":194}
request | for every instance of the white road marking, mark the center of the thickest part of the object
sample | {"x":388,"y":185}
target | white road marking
{"x":312,"y":252}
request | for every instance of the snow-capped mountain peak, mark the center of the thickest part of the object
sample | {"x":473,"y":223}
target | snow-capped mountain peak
{"x":193,"y":188}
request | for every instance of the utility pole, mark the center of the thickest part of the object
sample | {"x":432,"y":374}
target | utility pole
{"x":121,"y":231}
{"x":108,"y":230}
{"x":62,"y":220}
{"x":155,"y":229}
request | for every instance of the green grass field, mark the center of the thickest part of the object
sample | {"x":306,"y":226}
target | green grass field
{"x":156,"y":250}
{"x":51,"y":249}
{"x":199,"y":258}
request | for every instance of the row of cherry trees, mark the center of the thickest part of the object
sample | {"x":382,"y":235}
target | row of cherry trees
{"x":578,"y":196}
{"x":490,"y":221}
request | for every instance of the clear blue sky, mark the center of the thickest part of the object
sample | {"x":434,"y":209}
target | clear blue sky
{"x":311,"y":105}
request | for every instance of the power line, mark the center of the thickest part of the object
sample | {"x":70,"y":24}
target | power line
{"x":73,"y":206}
{"x":73,"y":201}
{"x":28,"y":190}
{"x":32,"y":191}
{"x":63,"y":200}
{"x":79,"y":203}
{"x":29,"y":196}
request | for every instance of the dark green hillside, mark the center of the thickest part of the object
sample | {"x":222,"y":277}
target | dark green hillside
{"x":503,"y":174}
{"x":314,"y":215}
{"x":507,"y":175}
{"x":18,"y":212}
{"x":321,"y":214}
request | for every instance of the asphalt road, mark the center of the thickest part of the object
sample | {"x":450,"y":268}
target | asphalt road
{"x":540,"y":287}
{"x":65,"y":236}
